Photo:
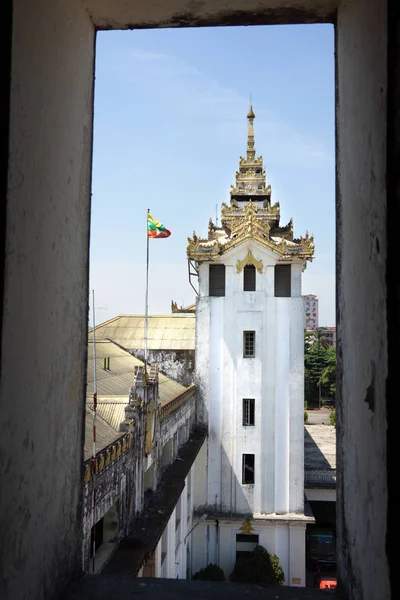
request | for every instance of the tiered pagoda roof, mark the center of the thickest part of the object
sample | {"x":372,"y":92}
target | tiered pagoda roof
{"x":250,"y":215}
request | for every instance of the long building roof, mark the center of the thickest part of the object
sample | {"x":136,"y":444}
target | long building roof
{"x":166,"y":332}
{"x":115,"y":381}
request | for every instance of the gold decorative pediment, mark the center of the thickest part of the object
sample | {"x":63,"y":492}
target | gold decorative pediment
{"x":249,"y":260}
{"x":247,"y":527}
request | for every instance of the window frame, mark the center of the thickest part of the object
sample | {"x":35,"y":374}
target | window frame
{"x":249,"y":268}
{"x":249,"y":409}
{"x":245,"y":353}
{"x":246,"y":469}
{"x":211,"y":268}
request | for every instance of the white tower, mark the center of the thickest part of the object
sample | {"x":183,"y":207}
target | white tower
{"x":250,"y":376}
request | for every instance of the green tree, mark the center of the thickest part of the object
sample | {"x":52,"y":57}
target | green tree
{"x":319,"y":367}
{"x":260,"y":567}
{"x":210,"y":573}
{"x":328,"y":375}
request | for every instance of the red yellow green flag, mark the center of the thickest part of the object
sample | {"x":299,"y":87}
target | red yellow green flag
{"x":155,"y":229}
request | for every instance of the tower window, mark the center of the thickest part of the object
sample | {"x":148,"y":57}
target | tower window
{"x":283,"y":275}
{"x":248,"y":469}
{"x":248,"y":411}
{"x":249,"y":278}
{"x":217,"y":280}
{"x":249,"y":344}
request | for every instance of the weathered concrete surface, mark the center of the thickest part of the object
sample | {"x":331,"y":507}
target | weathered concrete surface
{"x":121,"y":587}
{"x":46,"y":298}
{"x":146,"y":531}
{"x":361,"y":47}
{"x":185,"y":13}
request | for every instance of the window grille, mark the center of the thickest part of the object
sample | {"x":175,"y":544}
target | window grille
{"x":249,"y":344}
{"x":216,"y":280}
{"x":283,"y":275}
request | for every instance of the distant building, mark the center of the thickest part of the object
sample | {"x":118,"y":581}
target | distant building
{"x":141,"y":427}
{"x":330,"y":335}
{"x":310,"y":311}
{"x":171,"y":340}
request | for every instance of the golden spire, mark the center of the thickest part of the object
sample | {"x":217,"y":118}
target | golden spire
{"x":251,"y":152}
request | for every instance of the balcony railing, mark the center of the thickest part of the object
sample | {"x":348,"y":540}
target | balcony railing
{"x":106,"y":456}
{"x":171,"y":405}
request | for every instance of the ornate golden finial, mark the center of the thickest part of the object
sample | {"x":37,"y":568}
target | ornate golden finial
{"x":251,"y":153}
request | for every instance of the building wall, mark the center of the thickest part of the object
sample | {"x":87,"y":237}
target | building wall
{"x":215,"y":542}
{"x":361,"y":43}
{"x":176,"y":364}
{"x":274,"y":378}
{"x":311,"y":318}
{"x":44,"y":326}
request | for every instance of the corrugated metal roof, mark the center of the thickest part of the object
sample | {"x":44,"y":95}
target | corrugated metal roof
{"x":166,"y":332}
{"x":117,"y":380}
{"x":112,"y":411}
{"x":105,"y":434}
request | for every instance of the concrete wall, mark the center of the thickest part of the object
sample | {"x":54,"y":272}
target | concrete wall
{"x":176,"y":364}
{"x":361,"y":295}
{"x":274,"y":378}
{"x":45,"y":297}
{"x":215,"y":542}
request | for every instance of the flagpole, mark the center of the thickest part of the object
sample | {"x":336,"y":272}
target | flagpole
{"x":146,"y":317}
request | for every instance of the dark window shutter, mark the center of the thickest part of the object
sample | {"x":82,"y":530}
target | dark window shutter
{"x":217,"y":280}
{"x":283,"y":281}
{"x":249,"y":278}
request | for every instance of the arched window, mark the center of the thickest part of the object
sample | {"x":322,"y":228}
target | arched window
{"x":249,"y":278}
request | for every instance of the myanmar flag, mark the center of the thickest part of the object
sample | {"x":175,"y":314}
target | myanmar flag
{"x":155,"y":229}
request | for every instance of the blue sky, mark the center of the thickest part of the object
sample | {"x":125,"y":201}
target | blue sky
{"x":170,"y":125}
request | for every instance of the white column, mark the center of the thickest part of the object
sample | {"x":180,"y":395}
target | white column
{"x":203,"y":279}
{"x":282,"y":405}
{"x":282,"y":548}
{"x":297,"y":270}
{"x":158,"y":560}
{"x":297,"y":556}
{"x":270,"y":281}
{"x":171,"y":567}
{"x":215,"y":406}
{"x":296,"y":451}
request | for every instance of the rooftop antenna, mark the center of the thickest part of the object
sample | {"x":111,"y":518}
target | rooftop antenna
{"x":216,"y":215}
{"x":94,"y":462}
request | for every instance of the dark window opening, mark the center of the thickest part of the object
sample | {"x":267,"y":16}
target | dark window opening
{"x":283,"y":275}
{"x":249,"y":344}
{"x":248,"y":411}
{"x":249,"y":278}
{"x":248,"y":469}
{"x":216,"y":280}
{"x":245,"y":544}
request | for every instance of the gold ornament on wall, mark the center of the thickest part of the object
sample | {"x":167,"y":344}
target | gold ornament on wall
{"x":247,"y":527}
{"x":249,"y":260}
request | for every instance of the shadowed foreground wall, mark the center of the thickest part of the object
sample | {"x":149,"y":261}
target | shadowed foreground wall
{"x":361,"y":297}
{"x":46,"y":277}
{"x":45,"y":300}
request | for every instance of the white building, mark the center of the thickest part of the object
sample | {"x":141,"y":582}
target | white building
{"x":249,"y":477}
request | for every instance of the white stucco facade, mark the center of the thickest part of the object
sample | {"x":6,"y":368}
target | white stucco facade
{"x":252,"y":401}
{"x":274,"y":379}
